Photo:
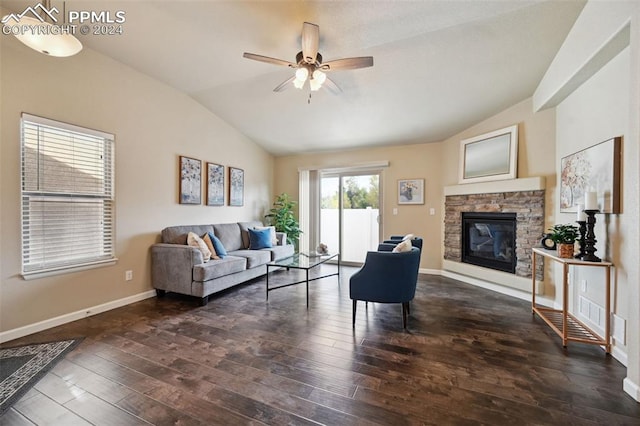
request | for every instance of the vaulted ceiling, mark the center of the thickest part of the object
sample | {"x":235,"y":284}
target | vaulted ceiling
{"x":439,"y":66}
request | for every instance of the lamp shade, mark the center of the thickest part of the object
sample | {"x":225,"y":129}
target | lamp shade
{"x":51,"y":41}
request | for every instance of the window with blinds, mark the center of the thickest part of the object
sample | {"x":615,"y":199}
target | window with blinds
{"x":67,"y":196}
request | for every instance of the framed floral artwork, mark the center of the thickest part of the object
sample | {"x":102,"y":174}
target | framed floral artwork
{"x":411,"y":191}
{"x":236,"y":186}
{"x":596,"y":168}
{"x":215,"y":184}
{"x":190,"y":180}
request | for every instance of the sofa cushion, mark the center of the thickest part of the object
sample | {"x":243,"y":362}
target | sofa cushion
{"x":218,"y":268}
{"x":272,"y":231}
{"x":229,"y":235}
{"x":280,"y":252}
{"x":260,"y":239}
{"x":220,"y":249}
{"x":194,"y":240}
{"x":178,"y":234}
{"x":254,"y":258}
{"x":244,"y":233}
{"x":209,"y":242}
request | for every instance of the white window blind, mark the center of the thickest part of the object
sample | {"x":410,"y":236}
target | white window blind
{"x":67,"y":196}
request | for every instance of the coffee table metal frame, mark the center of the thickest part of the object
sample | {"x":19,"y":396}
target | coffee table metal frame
{"x":303,"y":262}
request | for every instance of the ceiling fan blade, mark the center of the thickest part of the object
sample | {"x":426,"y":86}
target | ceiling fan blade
{"x":332,"y":86}
{"x":269,"y":60}
{"x":310,"y":42}
{"x":285,"y":84}
{"x":348,"y":64}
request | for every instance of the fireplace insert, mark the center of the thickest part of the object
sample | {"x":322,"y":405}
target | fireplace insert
{"x":489,"y":240}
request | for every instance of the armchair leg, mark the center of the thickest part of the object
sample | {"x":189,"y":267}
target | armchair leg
{"x":354,"y":312}
{"x":405,"y":309}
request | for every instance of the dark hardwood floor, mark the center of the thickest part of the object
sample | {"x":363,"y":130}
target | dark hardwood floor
{"x":469,"y":356}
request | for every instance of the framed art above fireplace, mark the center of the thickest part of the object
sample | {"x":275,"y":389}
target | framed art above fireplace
{"x":491,"y":156}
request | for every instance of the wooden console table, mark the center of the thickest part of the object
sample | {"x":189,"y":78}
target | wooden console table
{"x":567,"y":326}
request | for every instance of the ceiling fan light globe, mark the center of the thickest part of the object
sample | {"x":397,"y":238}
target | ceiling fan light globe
{"x":319,"y":76}
{"x":298,"y":84}
{"x":315,"y":85}
{"x":301,"y":74}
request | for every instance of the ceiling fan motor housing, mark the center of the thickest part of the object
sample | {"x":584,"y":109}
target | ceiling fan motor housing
{"x":301,"y":61}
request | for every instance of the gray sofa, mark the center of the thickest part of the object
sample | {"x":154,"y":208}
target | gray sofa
{"x":179,"y":268}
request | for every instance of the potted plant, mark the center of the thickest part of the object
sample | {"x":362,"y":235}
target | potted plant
{"x":565,"y":237}
{"x":282,"y":217}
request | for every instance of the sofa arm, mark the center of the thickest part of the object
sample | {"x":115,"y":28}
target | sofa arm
{"x":282,"y":238}
{"x":172,"y":267}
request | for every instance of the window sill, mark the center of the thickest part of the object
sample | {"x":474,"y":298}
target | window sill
{"x":27,"y":276}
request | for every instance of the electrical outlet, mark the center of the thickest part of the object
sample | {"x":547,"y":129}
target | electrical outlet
{"x":432,"y":211}
{"x":395,"y":211}
{"x":128,"y":275}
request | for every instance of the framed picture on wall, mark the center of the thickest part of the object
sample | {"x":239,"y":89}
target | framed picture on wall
{"x":215,"y":184}
{"x":596,"y":168}
{"x":190,"y":180}
{"x":236,"y":186}
{"x":411,"y":191}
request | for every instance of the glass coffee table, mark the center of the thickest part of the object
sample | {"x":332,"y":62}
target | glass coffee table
{"x":305,"y":262}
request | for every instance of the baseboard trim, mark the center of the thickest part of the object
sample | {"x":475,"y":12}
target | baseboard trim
{"x":524,"y":295}
{"x":631,"y":388}
{"x":16,"y":333}
{"x":430,"y":271}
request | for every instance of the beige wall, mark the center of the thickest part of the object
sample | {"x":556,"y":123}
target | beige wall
{"x":438,"y":164}
{"x":153,"y":124}
{"x":596,"y":86}
{"x":582,"y":123}
{"x":407,"y":161}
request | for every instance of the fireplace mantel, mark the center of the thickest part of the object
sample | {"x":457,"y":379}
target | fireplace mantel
{"x":511,"y":185}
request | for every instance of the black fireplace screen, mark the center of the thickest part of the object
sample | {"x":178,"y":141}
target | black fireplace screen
{"x":489,"y":240}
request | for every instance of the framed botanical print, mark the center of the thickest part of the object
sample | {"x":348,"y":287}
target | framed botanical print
{"x":190,"y":180}
{"x":215,"y":184}
{"x":236,"y":186}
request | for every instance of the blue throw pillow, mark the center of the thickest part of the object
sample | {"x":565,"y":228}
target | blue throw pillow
{"x":259,"y":239}
{"x":217,"y":245}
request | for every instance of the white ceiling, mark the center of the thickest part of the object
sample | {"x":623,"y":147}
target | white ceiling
{"x":439,"y":66}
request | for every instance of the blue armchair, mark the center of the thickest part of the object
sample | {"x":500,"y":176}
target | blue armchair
{"x":386,"y":277}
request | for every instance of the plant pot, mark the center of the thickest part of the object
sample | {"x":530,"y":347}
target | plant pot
{"x":565,"y":250}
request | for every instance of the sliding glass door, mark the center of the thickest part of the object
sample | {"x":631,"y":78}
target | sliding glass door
{"x":349,"y":213}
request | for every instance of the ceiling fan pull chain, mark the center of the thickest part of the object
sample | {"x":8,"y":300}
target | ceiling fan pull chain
{"x":309,"y":100}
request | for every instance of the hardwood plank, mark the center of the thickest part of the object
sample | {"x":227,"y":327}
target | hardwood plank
{"x":44,"y":411}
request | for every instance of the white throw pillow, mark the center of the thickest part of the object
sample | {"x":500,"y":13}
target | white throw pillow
{"x":274,"y":239}
{"x":408,"y":237}
{"x":403,"y":246}
{"x":194,"y":240}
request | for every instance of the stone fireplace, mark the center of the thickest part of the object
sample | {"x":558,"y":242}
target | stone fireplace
{"x":522,"y":200}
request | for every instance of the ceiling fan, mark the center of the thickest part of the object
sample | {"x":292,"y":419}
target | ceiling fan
{"x":309,"y":65}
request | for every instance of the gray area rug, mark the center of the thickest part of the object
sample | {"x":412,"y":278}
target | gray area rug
{"x":21,"y":367}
